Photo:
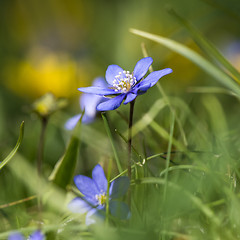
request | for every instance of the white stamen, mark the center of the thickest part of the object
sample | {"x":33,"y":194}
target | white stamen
{"x":124,"y":81}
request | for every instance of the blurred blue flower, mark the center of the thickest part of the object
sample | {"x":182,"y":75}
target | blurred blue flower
{"x":95,"y":196}
{"x":126,"y":85}
{"x":88,"y":102}
{"x":37,"y":235}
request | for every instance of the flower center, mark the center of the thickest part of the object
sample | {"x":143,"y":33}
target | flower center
{"x":124,"y":81}
{"x":101,"y":198}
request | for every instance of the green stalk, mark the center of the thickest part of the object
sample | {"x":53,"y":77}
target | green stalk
{"x":130,"y":138}
{"x":107,"y":202}
{"x":44,"y":121}
{"x":168,"y":156}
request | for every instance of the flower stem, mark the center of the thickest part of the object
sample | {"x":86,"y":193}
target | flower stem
{"x":41,"y":146}
{"x":44,"y":121}
{"x":130,"y":137}
{"x":108,"y":180}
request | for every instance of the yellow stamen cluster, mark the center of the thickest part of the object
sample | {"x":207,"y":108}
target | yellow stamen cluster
{"x":101,"y":198}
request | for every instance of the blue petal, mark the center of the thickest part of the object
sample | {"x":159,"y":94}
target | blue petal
{"x":86,"y":186}
{"x":37,"y":235}
{"x":15,"y":236}
{"x":99,"y":82}
{"x":119,"y":209}
{"x":99,"y":178}
{"x":89,"y":102}
{"x":140,"y":89}
{"x":112,"y":103}
{"x":95,"y":216}
{"x":111,"y":72}
{"x":142,"y":67}
{"x":78,"y":205}
{"x":72,"y":122}
{"x":87,"y":119}
{"x":130,"y":97}
{"x":119,"y":187}
{"x":97,"y":90}
{"x":153,"y":77}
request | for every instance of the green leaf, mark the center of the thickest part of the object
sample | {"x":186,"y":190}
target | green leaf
{"x":193,"y":56}
{"x":63,"y":172}
{"x":207,"y":46}
{"x":12,"y":153}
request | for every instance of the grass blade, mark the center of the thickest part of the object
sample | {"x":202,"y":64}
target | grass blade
{"x":204,"y":208}
{"x":12,"y":153}
{"x":112,"y":142}
{"x":168,"y":155}
{"x":148,"y":117}
{"x":63,"y":171}
{"x":207,"y":46}
{"x":193,"y":56}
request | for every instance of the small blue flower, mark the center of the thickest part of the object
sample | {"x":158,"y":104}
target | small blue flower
{"x":126,"y":85}
{"x":88,"y":102}
{"x":37,"y":235}
{"x":95,"y":196}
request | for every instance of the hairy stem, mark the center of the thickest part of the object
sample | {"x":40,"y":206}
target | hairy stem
{"x":130,"y":138}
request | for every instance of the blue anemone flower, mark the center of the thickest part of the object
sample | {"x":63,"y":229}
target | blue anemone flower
{"x":37,"y":235}
{"x":88,"y":102}
{"x":126,"y":85}
{"x":95,"y":196}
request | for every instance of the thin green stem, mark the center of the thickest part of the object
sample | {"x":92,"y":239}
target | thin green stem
{"x":108,"y":180}
{"x":17,"y":202}
{"x":44,"y":121}
{"x":165,"y":97}
{"x":130,"y":147}
{"x":130,"y":138}
{"x":168,"y":155}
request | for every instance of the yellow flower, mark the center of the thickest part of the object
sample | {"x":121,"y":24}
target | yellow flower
{"x":43,"y":71}
{"x":48,"y":104}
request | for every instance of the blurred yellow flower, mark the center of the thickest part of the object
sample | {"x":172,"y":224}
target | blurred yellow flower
{"x":48,"y":104}
{"x":43,"y":71}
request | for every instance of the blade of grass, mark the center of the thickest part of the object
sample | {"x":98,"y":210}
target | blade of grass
{"x":18,"y":202}
{"x":53,"y":196}
{"x":182,"y":167}
{"x":13,"y":152}
{"x":207,"y":46}
{"x":204,"y":208}
{"x":165,"y":97}
{"x":168,"y":155}
{"x":112,"y":142}
{"x":211,"y":90}
{"x":163,"y":133}
{"x":148,"y":117}
{"x":193,"y":56}
{"x":63,"y":171}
